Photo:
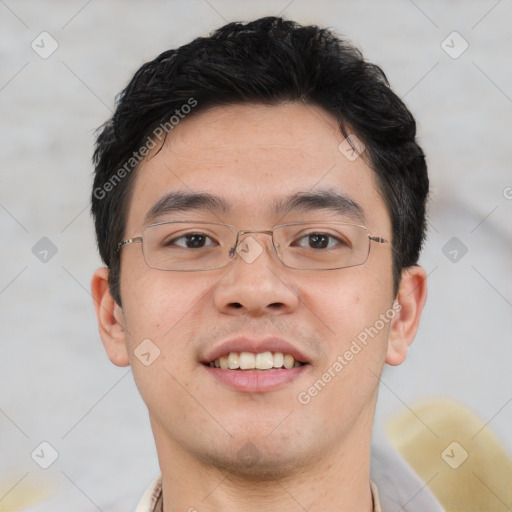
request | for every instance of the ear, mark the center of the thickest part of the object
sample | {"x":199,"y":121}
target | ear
{"x":110,"y":319}
{"x":409,"y":303}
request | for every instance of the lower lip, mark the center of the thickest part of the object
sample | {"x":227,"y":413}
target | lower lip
{"x":258,"y":381}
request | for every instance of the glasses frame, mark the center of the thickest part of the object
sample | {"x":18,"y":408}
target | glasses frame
{"x":240,"y":233}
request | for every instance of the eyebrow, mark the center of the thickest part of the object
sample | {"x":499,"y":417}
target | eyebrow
{"x":185,"y":202}
{"x":329,"y":200}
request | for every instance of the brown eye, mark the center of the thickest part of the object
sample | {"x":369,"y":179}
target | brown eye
{"x":191,"y":241}
{"x":319,"y":241}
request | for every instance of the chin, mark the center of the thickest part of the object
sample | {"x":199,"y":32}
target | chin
{"x":251,"y":463}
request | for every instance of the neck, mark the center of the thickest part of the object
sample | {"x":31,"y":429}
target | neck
{"x":333,"y":482}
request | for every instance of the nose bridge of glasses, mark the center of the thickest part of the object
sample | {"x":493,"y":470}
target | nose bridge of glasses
{"x":252,"y":246}
{"x":247,"y":231}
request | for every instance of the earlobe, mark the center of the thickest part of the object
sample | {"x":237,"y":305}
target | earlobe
{"x":411,"y":298}
{"x":110,"y":319}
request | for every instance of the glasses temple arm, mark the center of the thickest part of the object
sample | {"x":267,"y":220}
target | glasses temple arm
{"x":120,"y":245}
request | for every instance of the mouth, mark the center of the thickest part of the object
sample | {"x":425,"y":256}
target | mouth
{"x":249,"y":364}
{"x":260,"y":362}
{"x":260,"y":372}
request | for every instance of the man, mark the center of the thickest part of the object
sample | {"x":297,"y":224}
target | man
{"x":259,"y":201}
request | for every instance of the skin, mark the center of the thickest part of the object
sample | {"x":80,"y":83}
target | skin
{"x":313,"y":456}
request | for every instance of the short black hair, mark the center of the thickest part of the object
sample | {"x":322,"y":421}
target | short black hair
{"x":267,"y":61}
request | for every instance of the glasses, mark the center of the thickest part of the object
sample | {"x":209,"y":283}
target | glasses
{"x":188,"y":246}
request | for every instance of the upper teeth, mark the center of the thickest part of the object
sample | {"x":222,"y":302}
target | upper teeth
{"x":250,"y":361}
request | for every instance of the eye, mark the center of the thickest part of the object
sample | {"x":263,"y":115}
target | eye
{"x":319,"y":241}
{"x":191,"y":241}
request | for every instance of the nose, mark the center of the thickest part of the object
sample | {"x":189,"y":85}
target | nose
{"x":256,"y":282}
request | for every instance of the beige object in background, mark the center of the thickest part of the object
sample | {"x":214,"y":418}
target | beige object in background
{"x":461,"y":459}
{"x":18,"y":494}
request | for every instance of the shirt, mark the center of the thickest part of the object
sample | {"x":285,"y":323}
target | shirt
{"x":152,"y":500}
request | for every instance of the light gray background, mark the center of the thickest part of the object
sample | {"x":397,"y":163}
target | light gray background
{"x":56,"y":384}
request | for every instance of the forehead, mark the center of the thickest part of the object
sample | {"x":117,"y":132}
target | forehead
{"x":254,"y":157}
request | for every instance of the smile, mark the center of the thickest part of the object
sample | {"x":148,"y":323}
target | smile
{"x":262,"y":361}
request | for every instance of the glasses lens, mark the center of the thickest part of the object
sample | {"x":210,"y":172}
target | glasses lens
{"x":187,"y":246}
{"x":322,"y":246}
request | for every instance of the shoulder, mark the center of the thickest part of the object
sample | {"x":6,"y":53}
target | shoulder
{"x":399,"y":488}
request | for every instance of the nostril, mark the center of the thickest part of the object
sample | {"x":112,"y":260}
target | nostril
{"x":236,"y":305}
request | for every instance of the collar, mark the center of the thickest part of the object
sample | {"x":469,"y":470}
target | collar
{"x":152,"y":500}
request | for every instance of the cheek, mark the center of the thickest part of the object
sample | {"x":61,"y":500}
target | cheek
{"x":158,"y":304}
{"x":345,"y":383}
{"x":355,"y":342}
{"x":160,"y":311}
{"x":350,"y":308}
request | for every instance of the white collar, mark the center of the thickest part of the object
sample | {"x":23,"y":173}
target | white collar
{"x":152,"y":499}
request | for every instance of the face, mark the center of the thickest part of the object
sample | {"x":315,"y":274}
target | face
{"x":252,"y":158}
